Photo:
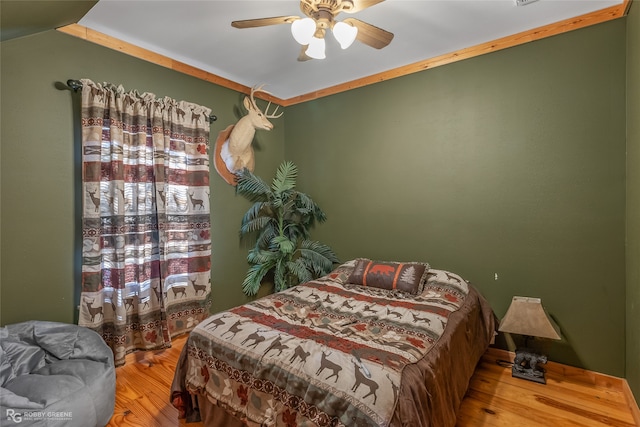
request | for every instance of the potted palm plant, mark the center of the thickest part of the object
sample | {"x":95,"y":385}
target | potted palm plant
{"x":280,"y":220}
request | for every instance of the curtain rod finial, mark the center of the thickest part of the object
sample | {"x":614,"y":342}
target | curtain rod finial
{"x":74,"y":84}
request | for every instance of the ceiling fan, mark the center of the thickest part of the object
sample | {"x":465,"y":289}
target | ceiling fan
{"x":320,"y":17}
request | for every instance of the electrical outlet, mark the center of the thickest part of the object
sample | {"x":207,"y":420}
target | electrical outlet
{"x":495,"y":277}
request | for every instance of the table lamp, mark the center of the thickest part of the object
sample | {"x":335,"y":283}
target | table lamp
{"x":526,"y":316}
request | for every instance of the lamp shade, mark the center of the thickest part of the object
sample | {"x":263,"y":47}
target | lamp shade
{"x":526,"y":316}
{"x":345,"y":34}
{"x":303,"y":30}
{"x":316,"y":48}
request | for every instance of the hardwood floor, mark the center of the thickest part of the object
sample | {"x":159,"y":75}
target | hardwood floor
{"x":572,"y":397}
{"x":142,"y":389}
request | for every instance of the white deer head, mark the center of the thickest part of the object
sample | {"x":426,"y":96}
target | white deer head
{"x":237,"y":152}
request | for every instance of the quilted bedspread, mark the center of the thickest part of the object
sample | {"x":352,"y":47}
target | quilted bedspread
{"x":323,"y":353}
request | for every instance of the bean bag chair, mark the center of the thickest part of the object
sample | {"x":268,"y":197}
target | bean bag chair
{"x":55,"y":374}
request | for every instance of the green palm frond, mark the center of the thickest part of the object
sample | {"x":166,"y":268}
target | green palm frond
{"x":295,"y":231}
{"x":311,"y":208}
{"x":318,"y":247}
{"x":256,"y":224}
{"x":253,"y":279}
{"x":280,"y":276}
{"x":261,"y":257}
{"x":280,"y":220}
{"x":252,"y":187}
{"x":319,"y":256}
{"x":285,"y":178}
{"x":266,"y":237}
{"x":300,"y":269}
{"x":285,"y":245}
{"x":256,"y":210}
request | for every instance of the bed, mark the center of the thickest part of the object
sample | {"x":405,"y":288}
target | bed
{"x":370,"y":344}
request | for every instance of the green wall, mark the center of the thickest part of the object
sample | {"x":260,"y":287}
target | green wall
{"x":511,"y":163}
{"x":633,"y":200}
{"x":41,"y":166}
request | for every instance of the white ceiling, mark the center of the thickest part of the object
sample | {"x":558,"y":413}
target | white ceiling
{"x":199,"y":33}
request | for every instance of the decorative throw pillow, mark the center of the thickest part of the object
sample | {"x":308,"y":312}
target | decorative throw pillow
{"x":342,"y":272}
{"x":407,"y":277}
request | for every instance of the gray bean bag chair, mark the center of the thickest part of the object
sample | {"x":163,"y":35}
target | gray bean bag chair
{"x":55,"y":374}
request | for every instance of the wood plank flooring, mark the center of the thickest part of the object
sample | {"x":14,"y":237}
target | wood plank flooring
{"x":142,"y":389}
{"x":572,"y":397}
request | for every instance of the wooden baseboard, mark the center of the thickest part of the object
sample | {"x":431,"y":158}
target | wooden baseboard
{"x":631,"y":401}
{"x":570,"y":372}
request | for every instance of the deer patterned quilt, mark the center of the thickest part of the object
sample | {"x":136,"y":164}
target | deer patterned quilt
{"x":323,"y":353}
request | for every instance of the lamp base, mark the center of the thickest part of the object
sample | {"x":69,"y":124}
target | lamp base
{"x":526,"y":365}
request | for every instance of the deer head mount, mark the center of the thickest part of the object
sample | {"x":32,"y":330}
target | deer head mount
{"x":233,"y":151}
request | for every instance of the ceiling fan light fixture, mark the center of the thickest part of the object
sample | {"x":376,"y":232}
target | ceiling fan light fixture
{"x":303,"y":30}
{"x":345,"y":34}
{"x":316,"y":48}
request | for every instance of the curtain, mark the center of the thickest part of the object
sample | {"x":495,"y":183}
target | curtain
{"x":146,"y":256}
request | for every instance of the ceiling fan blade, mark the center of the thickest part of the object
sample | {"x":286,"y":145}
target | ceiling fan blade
{"x":370,"y":34}
{"x":359,"y":5}
{"x":263,"y":22}
{"x":303,"y":55}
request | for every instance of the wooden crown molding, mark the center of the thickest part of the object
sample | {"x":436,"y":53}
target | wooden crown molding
{"x":101,"y":39}
{"x":571,"y":24}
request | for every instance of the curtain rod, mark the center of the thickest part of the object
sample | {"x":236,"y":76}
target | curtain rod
{"x":77,"y":84}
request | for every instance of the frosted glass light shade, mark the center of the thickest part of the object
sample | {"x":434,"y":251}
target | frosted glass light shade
{"x":303,"y":30}
{"x":345,"y":34}
{"x":316,"y":48}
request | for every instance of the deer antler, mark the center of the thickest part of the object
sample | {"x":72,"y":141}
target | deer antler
{"x":272,"y":115}
{"x":253,"y":91}
{"x":266,"y":111}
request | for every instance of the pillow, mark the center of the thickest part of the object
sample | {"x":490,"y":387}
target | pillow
{"x":406,"y":277}
{"x":342,"y":272}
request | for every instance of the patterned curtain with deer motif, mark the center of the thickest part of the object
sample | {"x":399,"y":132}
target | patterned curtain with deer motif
{"x":146,"y":223}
